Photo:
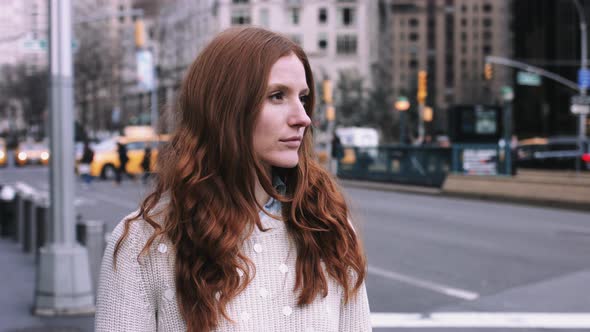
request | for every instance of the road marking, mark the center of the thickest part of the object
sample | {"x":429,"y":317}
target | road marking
{"x":439,"y":288}
{"x":483,"y":319}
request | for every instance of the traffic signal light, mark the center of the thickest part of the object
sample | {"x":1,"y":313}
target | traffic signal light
{"x":139,"y":34}
{"x":327,"y":87}
{"x":488,"y":71}
{"x":422,"y":88}
{"x":427,"y":114}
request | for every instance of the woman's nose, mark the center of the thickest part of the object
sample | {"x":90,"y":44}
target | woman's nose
{"x":299,"y":117}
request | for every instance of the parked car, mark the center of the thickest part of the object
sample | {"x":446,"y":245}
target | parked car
{"x":3,"y":153}
{"x":553,"y":153}
{"x":106,"y":158}
{"x":30,"y":152}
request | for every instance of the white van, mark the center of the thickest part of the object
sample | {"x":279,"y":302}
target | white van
{"x":358,"y":136}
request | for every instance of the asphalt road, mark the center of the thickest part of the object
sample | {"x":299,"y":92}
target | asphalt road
{"x":433,"y":254}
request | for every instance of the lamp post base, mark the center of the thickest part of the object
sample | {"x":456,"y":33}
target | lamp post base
{"x":63,"y":283}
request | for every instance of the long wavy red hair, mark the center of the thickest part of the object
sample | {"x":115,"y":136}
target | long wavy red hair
{"x":210,"y":202}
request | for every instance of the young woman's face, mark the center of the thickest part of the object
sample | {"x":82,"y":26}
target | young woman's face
{"x":279,"y":129}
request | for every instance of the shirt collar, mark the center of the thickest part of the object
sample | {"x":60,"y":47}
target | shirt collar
{"x":281,"y":188}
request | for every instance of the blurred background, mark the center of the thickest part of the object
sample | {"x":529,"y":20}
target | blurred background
{"x":457,"y":129}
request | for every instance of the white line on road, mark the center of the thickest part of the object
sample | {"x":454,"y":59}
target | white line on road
{"x":439,"y":288}
{"x":483,"y":319}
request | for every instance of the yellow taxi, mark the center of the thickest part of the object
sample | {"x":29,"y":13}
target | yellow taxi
{"x":3,"y":153}
{"x":30,"y":152}
{"x":106,"y":157}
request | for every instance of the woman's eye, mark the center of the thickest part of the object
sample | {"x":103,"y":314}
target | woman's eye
{"x":304,"y":99}
{"x":276,"y":96}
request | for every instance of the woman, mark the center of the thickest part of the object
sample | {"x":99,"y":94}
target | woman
{"x":244,"y":231}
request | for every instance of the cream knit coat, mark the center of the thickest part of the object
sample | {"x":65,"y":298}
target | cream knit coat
{"x":141,"y":296}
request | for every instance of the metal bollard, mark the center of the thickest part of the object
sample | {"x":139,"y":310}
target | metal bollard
{"x":30,"y":225}
{"x":19,"y":208}
{"x":90,"y":233}
{"x":7,"y":213}
{"x":42,"y":220}
{"x":23,"y":193}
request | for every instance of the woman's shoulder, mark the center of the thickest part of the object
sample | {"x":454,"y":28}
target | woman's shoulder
{"x":135,"y":231}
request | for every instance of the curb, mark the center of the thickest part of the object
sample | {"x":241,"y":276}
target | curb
{"x":472,"y":195}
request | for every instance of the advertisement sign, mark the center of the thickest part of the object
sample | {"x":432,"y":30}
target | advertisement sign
{"x":480,"y":161}
{"x":145,"y":70}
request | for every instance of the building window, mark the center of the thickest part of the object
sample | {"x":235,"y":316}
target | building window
{"x":414,"y":36}
{"x":346,"y":44}
{"x":347,"y":16}
{"x":240,"y":17}
{"x":322,"y":41}
{"x":295,"y":16}
{"x":414,"y":22}
{"x":487,"y":49}
{"x":487,"y":22}
{"x":264,"y":17}
{"x":487,"y":35}
{"x":487,"y":8}
{"x":413,"y":63}
{"x":323,"y":16}
{"x":464,"y":22}
{"x":240,"y":1}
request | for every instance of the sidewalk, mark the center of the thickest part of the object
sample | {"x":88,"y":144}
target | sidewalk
{"x":17,"y":289}
{"x":558,"y":189}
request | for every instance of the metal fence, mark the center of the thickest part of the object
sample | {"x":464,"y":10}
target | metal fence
{"x":415,"y":165}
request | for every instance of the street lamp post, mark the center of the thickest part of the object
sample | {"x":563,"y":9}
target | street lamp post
{"x":583,"y":79}
{"x":63,"y":284}
{"x":402,"y":105}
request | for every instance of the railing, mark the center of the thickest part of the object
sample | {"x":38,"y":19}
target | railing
{"x":414,"y":165}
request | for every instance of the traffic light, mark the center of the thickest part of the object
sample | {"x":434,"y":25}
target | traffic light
{"x":327,"y":87}
{"x":488,"y":71}
{"x":427,"y":114}
{"x":422,"y":88}
{"x":139,"y":34}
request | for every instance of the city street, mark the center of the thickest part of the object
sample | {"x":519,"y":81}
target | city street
{"x":430,"y":254}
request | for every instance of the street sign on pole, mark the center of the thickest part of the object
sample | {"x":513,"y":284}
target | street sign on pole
{"x":145,"y":70}
{"x":507,"y":93}
{"x":580,"y":109}
{"x":584,"y":78}
{"x":527,"y":78}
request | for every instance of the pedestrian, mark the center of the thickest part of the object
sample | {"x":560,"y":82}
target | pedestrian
{"x":123,"y":160}
{"x":146,"y":163}
{"x":85,"y":162}
{"x":337,"y":153}
{"x":245,"y":230}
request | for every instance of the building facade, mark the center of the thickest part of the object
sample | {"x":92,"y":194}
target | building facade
{"x":23,"y":33}
{"x":547,"y":35}
{"x":449,"y":39}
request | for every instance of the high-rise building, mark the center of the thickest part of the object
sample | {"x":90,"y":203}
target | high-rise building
{"x":547,"y":35}
{"x":338,"y":36}
{"x":449,"y":39}
{"x":23,"y":33}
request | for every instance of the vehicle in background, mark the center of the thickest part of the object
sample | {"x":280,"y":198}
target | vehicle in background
{"x":357,"y":137}
{"x":553,"y":153}
{"x":106,"y":157}
{"x":3,"y":153}
{"x":30,"y":152}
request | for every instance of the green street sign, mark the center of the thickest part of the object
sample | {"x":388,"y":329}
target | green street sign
{"x":507,"y":93}
{"x":527,"y":78}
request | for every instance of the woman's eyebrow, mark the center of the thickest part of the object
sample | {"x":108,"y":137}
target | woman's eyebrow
{"x":279,"y":86}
